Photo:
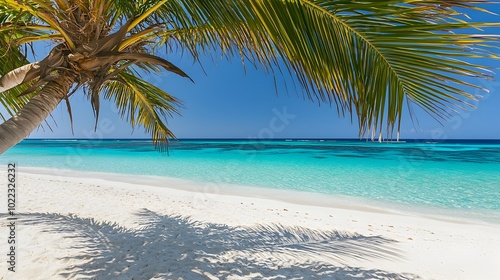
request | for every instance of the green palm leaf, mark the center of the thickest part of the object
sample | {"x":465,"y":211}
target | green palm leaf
{"x":141,"y":103}
{"x":367,"y":57}
{"x":11,"y":59}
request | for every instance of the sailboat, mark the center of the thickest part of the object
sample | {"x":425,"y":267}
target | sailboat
{"x":380,"y":139}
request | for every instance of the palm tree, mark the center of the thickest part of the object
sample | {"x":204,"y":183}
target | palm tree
{"x":368,"y":58}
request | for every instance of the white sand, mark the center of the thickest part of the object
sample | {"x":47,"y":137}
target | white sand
{"x":84,"y":228}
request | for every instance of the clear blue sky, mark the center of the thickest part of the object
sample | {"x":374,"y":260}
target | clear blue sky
{"x":226,"y":103}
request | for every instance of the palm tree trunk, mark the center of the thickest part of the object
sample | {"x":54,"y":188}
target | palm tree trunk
{"x":19,"y":126}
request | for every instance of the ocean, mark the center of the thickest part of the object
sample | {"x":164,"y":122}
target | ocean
{"x":460,"y":175}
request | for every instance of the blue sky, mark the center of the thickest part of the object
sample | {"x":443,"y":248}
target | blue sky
{"x":227,"y":103}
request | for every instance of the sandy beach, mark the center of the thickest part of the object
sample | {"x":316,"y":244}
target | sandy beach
{"x":75,"y":226}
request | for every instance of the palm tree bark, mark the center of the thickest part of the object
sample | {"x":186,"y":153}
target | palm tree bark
{"x":19,"y":126}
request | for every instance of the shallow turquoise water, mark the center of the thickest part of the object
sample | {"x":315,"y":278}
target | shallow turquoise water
{"x":450,"y":175}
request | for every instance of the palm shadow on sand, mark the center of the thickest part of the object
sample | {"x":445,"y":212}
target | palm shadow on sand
{"x":174,"y":247}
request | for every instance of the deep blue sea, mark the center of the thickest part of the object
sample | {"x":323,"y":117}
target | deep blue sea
{"x":461,"y":175}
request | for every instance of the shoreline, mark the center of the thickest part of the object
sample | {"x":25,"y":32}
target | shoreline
{"x":85,"y":228}
{"x":288,"y":196}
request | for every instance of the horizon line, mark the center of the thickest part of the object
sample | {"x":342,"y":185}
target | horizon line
{"x":274,"y":139}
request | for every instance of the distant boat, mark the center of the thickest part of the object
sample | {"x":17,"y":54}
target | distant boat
{"x":397,"y":140}
{"x":381,"y":140}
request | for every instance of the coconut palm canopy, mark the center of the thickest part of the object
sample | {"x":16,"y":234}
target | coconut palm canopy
{"x":367,"y":58}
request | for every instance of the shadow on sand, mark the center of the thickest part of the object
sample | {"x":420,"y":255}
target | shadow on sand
{"x":173,"y":247}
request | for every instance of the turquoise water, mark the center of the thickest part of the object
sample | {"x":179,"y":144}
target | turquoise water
{"x":450,"y":175}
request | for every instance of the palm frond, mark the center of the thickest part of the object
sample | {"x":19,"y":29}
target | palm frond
{"x":366,"y":57}
{"x":10,"y":59}
{"x":41,"y":9}
{"x":143,"y":104}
